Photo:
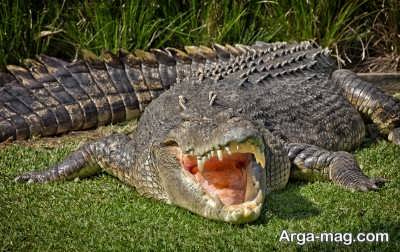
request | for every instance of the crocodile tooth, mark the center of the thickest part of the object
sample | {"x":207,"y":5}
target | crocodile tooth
{"x":228,"y":150}
{"x":212,"y":153}
{"x":259,"y":197}
{"x":260,"y":157}
{"x":200,"y":164}
{"x":256,"y":185}
{"x":219,"y":154}
{"x":203,"y":161}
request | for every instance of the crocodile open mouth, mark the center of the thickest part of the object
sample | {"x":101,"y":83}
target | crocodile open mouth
{"x":226,"y":172}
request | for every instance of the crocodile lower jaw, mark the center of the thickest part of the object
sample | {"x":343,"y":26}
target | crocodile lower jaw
{"x":245,"y":212}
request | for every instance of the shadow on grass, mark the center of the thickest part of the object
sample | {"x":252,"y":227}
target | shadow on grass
{"x":288,"y":204}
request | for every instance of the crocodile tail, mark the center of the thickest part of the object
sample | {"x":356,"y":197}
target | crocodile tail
{"x":49,"y":96}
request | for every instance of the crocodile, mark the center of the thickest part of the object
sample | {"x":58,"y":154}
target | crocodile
{"x":225,"y":127}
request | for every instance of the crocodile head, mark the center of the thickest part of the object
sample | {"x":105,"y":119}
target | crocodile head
{"x":219,"y":174}
{"x":212,"y":163}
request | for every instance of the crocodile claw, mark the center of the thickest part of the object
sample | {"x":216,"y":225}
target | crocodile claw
{"x":30,"y":177}
{"x":368,"y":184}
{"x":394,"y":136}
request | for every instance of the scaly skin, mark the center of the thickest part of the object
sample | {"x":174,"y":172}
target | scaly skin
{"x":269,"y":111}
{"x":50,"y":96}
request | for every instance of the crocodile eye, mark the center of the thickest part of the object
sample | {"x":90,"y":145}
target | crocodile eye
{"x":170,"y":143}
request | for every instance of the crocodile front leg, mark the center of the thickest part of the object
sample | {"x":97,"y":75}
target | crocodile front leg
{"x":372,"y":102}
{"x":340,"y":167}
{"x":278,"y":164}
{"x":105,"y":154}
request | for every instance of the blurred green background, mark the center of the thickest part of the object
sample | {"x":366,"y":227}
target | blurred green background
{"x":362,"y":34}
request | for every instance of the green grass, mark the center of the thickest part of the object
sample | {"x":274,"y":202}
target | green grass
{"x":100,"y":213}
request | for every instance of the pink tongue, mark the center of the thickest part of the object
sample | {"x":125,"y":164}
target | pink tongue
{"x":228,"y":185}
{"x":225,"y":179}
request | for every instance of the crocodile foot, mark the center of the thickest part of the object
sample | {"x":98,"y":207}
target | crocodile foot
{"x":366,"y":184}
{"x":346,"y":172}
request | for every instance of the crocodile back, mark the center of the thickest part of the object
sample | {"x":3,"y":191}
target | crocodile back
{"x":49,"y":96}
